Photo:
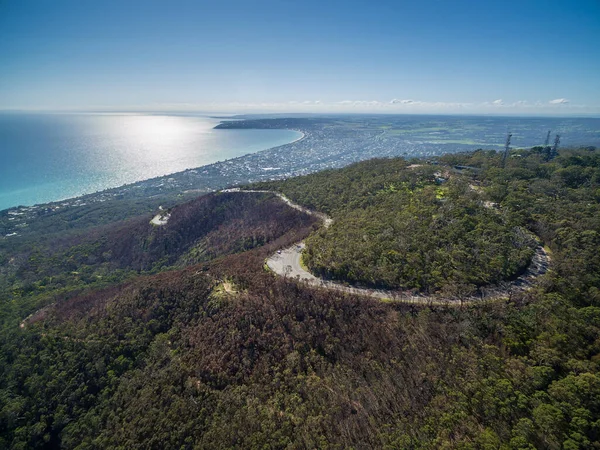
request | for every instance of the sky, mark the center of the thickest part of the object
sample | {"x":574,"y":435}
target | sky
{"x":444,"y":56}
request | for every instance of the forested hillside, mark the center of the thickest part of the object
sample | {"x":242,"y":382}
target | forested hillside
{"x":412,"y":232}
{"x":35,"y":271}
{"x":216,"y":352}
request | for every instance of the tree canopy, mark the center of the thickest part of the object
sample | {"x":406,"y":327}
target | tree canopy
{"x":209,"y":350}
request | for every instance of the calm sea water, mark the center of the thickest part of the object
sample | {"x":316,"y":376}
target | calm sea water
{"x":48,"y":157}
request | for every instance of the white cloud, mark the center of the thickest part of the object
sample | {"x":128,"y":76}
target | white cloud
{"x":372,"y":103}
{"x":395,"y":106}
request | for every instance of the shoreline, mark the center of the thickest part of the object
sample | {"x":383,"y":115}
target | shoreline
{"x":134,"y":184}
{"x":321,"y":144}
{"x":294,"y":141}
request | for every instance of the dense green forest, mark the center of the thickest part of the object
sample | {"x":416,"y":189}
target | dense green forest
{"x":410,"y":228}
{"x":192,"y":344}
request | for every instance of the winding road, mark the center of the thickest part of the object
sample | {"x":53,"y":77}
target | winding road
{"x":287,"y":263}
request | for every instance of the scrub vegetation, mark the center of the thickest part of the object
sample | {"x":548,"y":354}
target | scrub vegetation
{"x":409,"y":228}
{"x":192,"y":344}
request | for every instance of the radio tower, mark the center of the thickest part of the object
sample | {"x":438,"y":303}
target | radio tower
{"x":554,"y":152}
{"x":506,"y":148}
{"x":547,"y":141}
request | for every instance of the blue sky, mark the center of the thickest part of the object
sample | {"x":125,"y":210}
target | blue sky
{"x":513,"y":57}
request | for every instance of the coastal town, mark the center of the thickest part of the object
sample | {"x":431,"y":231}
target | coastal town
{"x":327,"y":143}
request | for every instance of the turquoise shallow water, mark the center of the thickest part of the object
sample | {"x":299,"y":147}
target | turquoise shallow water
{"x":49,"y":157}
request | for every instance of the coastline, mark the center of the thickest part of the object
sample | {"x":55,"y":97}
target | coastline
{"x":169,"y":189}
{"x":297,"y":140}
{"x":323,"y":144}
{"x":78,"y":200}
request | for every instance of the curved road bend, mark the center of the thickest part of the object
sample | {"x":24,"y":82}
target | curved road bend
{"x":286,"y":263}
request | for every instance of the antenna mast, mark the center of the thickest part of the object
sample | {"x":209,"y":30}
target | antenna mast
{"x":547,"y":141}
{"x":554,"y":152}
{"x":506,"y":149}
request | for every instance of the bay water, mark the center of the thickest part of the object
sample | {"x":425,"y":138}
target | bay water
{"x":50,"y":157}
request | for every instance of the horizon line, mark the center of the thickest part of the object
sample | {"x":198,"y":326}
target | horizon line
{"x":573,"y":115}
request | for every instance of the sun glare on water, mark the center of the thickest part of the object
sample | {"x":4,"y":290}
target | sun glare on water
{"x":161,"y":143}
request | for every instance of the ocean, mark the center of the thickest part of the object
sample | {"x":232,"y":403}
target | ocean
{"x":50,"y":157}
